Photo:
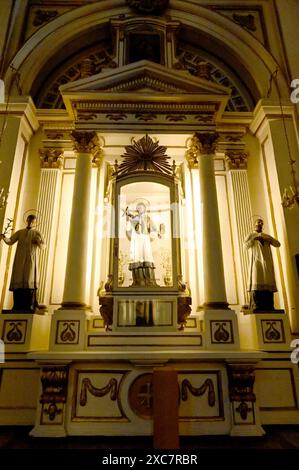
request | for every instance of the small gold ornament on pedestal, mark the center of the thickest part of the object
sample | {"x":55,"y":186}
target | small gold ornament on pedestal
{"x":166,"y":264}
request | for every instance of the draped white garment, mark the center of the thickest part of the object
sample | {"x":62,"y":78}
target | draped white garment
{"x":261,"y":270}
{"x":141,"y":230}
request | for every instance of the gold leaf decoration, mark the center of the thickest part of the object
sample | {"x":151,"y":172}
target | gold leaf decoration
{"x":143,"y":155}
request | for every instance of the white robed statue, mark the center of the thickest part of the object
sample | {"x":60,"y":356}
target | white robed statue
{"x":141,"y":230}
{"x":261,"y":278}
{"x":24,"y":278}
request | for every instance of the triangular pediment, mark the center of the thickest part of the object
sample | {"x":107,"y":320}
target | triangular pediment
{"x":144,"y":77}
{"x":145,"y":92}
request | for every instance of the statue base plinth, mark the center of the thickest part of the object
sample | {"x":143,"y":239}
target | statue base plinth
{"x":221,"y":328}
{"x":68,"y":329}
{"x":267,"y":331}
{"x":25,"y":332}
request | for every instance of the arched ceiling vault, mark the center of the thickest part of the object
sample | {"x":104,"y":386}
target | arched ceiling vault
{"x":52,"y":56}
{"x":97,"y":45}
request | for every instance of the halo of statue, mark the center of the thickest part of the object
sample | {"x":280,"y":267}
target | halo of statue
{"x":34,"y":212}
{"x":140,"y":200}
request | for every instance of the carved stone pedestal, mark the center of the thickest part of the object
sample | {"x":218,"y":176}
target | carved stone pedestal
{"x":265,"y":331}
{"x":68,"y":330}
{"x":221,"y":329}
{"x":24,"y":332}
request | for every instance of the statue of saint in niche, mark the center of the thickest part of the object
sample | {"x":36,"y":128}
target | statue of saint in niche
{"x":141,"y":231}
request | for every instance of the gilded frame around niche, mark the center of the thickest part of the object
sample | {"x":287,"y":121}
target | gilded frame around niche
{"x":167,"y":182}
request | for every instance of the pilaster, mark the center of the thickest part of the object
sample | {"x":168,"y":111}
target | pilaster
{"x":236,"y":164}
{"x":275,"y":127}
{"x":49,"y":190}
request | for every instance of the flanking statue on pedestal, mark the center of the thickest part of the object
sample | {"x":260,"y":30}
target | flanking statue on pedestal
{"x":24,"y":277}
{"x":261,"y":277}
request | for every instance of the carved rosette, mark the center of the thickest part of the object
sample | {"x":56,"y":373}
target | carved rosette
{"x":245,"y":21}
{"x":51,"y":158}
{"x":207,"y":142}
{"x":241,"y":379}
{"x":141,"y":396}
{"x":43,"y":16}
{"x":54,"y":390}
{"x":148,"y":6}
{"x":236,"y":160}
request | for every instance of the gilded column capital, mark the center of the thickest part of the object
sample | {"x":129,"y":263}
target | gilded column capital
{"x":97,"y":157}
{"x":207,"y":142}
{"x":51,"y":158}
{"x":85,"y":142}
{"x":192,"y":152}
{"x":236,"y":159}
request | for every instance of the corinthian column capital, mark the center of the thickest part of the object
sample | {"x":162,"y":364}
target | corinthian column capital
{"x":236,"y":159}
{"x":207,"y":142}
{"x":51,"y":158}
{"x":85,"y":142}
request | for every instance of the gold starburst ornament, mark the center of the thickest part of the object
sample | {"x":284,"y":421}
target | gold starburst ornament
{"x":144,"y":155}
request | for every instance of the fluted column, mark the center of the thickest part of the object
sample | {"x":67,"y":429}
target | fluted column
{"x":51,"y":163}
{"x":236,"y":162}
{"x":193,"y":213}
{"x":213,"y":271}
{"x":85,"y":145}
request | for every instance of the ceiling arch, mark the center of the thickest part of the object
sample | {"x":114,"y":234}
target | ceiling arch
{"x":233,"y":53}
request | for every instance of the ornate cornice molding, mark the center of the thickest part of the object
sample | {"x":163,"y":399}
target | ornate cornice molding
{"x":145,"y":82}
{"x":236,"y":159}
{"x":128,"y":106}
{"x":51,"y":158}
{"x":207,"y":142}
